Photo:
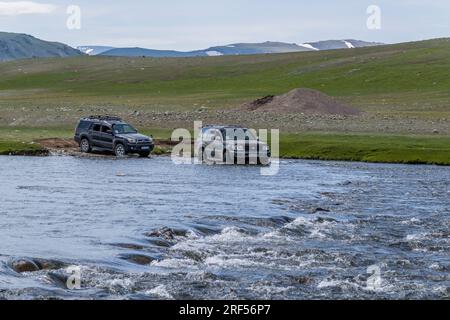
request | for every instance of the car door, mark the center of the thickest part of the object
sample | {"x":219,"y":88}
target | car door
{"x":96,"y":138}
{"x":107,"y":137}
{"x":214,"y":144}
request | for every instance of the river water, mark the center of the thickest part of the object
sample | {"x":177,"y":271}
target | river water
{"x":149,"y":229}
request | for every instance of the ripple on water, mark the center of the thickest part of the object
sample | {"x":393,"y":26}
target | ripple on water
{"x":313,"y":238}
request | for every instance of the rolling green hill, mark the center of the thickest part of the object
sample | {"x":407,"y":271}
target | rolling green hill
{"x":409,"y":77}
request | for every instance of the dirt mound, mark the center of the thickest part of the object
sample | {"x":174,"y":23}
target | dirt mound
{"x":301,"y":101}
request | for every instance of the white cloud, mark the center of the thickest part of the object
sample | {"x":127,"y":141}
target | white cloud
{"x":15,"y":8}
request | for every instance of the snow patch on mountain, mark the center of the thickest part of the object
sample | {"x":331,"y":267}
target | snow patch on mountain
{"x":308,"y":46}
{"x":349,"y":44}
{"x":93,"y":50}
{"x":214,"y":53}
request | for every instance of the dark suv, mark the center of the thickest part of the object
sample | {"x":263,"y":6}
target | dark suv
{"x":231,"y":145}
{"x":111,"y":134}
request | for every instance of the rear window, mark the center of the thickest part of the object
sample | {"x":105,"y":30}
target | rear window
{"x":106,"y":129}
{"x":84,"y":125}
{"x":96,"y":127}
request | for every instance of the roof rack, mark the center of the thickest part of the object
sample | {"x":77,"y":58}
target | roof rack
{"x":223,"y":126}
{"x":104,"y":118}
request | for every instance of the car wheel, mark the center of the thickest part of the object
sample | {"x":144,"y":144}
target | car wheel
{"x":144,"y":154}
{"x":85,"y":146}
{"x":264,"y":161}
{"x":120,"y":151}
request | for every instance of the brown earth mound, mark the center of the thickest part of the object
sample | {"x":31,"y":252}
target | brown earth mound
{"x":301,"y":101}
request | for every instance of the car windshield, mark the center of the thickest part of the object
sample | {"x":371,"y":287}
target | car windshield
{"x":239,"y":134}
{"x":124,"y":129}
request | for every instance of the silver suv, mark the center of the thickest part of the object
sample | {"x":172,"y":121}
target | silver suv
{"x":231,"y":145}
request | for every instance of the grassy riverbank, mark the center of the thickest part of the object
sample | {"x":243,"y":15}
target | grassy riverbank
{"x":411,"y":149}
{"x":367,"y":148}
{"x":21,"y":148}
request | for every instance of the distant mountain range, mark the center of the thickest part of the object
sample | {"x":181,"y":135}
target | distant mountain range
{"x":15,"y":46}
{"x":232,"y":49}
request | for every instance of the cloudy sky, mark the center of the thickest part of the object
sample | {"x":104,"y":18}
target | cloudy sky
{"x":194,"y":24}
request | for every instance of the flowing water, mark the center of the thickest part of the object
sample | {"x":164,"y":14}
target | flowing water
{"x":149,"y":229}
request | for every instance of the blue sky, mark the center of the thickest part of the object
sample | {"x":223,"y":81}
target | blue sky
{"x":195,"y":24}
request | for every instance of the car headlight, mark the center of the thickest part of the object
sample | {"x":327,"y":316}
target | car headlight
{"x":238,"y":148}
{"x":131,"y":140}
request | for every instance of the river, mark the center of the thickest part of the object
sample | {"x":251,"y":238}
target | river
{"x":150,"y":229}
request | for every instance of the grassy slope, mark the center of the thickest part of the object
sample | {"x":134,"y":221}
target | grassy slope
{"x":401,"y":79}
{"x":404,"y":75}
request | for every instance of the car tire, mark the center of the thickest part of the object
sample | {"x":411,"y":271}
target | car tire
{"x":144,"y":154}
{"x":120,"y":151}
{"x":85,"y":146}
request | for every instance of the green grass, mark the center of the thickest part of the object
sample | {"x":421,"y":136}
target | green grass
{"x":416,"y":72}
{"x":29,"y":134}
{"x":20,"y":148}
{"x":367,"y":148}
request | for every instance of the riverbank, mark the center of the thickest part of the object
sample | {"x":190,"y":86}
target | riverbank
{"x":413,"y":149}
{"x":16,"y":148}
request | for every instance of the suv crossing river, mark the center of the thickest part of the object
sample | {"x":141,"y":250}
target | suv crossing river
{"x":111,"y":134}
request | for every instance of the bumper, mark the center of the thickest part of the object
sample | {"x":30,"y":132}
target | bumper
{"x":131,"y":148}
{"x":247,"y":155}
{"x":242,"y":157}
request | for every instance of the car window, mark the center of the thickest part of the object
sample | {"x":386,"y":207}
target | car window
{"x":124,"y":129}
{"x":84,"y":125}
{"x":106,"y":129}
{"x":212,"y":135}
{"x":208,"y":135}
{"x":216,"y":135}
{"x":239,"y":134}
{"x":205,"y":134}
{"x":96,"y":127}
